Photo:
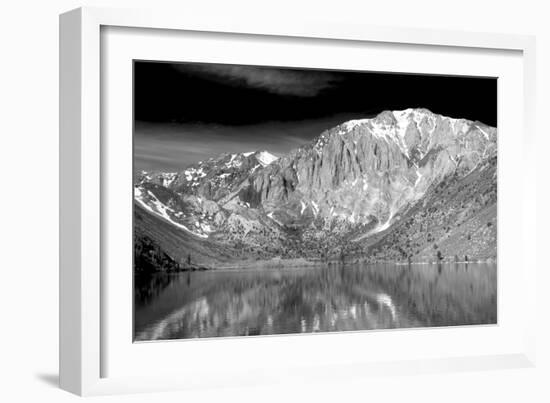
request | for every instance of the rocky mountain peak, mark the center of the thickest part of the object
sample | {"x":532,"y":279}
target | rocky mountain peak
{"x":362,"y":177}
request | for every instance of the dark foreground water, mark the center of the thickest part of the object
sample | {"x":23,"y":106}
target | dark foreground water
{"x":313,"y":299}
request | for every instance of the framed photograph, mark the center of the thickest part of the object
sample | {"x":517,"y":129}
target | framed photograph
{"x":243,"y":202}
{"x":276,"y":200}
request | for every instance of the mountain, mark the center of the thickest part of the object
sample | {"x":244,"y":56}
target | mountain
{"x":405,"y":185}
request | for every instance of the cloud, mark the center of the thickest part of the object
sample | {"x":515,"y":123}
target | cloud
{"x":280,"y":81}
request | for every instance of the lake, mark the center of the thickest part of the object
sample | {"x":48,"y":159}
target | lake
{"x":313,"y":299}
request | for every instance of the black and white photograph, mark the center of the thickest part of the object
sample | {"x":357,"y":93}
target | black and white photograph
{"x":280,"y":200}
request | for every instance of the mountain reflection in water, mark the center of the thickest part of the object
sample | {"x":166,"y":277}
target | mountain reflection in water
{"x":313,"y":299}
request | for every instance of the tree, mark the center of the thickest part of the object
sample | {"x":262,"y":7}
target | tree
{"x":439,"y":255}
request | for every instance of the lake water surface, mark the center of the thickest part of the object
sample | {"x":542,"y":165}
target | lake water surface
{"x":313,"y":299}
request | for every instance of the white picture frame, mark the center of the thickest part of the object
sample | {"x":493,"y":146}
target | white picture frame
{"x":85,"y":344}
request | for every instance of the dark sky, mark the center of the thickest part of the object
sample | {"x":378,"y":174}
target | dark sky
{"x":186,"y":112}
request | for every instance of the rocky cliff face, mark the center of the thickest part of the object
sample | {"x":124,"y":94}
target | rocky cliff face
{"x":352,"y":183}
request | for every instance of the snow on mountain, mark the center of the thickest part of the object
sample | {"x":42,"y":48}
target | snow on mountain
{"x":265,"y":158}
{"x":149,"y":201}
{"x":362,"y":177}
{"x":193,"y":175}
{"x":167,"y":178}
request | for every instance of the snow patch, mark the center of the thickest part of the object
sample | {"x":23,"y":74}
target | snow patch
{"x":234,"y":162}
{"x":265,"y":158}
{"x":160,"y":209}
{"x":352,"y":124}
{"x":390,"y":133}
{"x":452,"y":159}
{"x":321,"y":141}
{"x":485,"y":134}
{"x":167,"y":178}
{"x":315,"y":207}
{"x":384,"y":226}
{"x":193,"y":174}
{"x":418,"y":178}
{"x":270,"y":215}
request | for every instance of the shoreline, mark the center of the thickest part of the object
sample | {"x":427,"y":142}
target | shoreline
{"x":277,"y":263}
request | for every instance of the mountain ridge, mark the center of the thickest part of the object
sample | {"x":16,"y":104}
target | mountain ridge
{"x":323,"y":199}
